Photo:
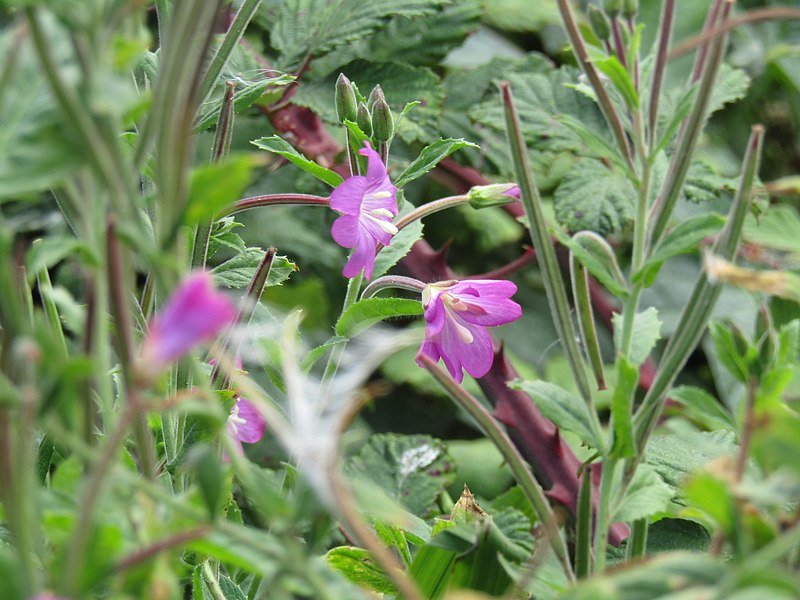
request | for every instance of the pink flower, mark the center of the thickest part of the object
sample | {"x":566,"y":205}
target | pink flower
{"x":195,"y":313}
{"x":367,"y":204}
{"x":457,"y":314}
{"x":245,"y":424}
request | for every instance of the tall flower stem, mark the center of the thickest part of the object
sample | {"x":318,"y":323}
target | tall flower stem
{"x":392,"y":281}
{"x":665,"y":32}
{"x":603,"y":513}
{"x":430,"y":208}
{"x":353,"y":289}
{"x":272,"y":200}
{"x":519,"y":468}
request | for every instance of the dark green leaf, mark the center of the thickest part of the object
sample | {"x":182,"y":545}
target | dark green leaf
{"x":367,"y":312}
{"x":703,"y":407}
{"x":613,"y":69}
{"x":566,"y":410}
{"x":622,"y":407}
{"x":430,"y":157}
{"x":647,"y":495}
{"x":238,"y":271}
{"x":645,"y":333}
{"x":595,"y":198}
{"x":357,"y":565}
{"x":244,"y":97}
{"x":280,"y":146}
{"x":412,"y":469}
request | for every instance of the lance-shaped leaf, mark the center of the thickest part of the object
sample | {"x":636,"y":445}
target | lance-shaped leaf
{"x":367,"y":312}
{"x":431,"y":156}
{"x":597,"y":257}
{"x":278,"y":145}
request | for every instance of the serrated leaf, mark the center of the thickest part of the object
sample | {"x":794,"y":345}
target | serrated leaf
{"x":413,"y":469}
{"x":647,"y":495}
{"x":431,"y":156}
{"x":703,"y":184}
{"x":704,"y":405}
{"x":367,"y":312}
{"x":596,"y":143}
{"x":646,"y":332}
{"x":318,"y":26}
{"x":238,"y":272}
{"x":357,"y":565}
{"x":521,"y":15}
{"x":246,"y":94}
{"x":566,"y":410}
{"x":675,"y":457}
{"x":597,"y":257}
{"x":595,"y":198}
{"x":278,"y":145}
{"x":779,"y":228}
{"x":216,"y":186}
{"x":731,"y":85}
{"x":686,"y":237}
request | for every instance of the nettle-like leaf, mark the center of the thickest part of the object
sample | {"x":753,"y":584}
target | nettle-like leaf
{"x":703,"y":184}
{"x":647,"y":495}
{"x":401,"y":84}
{"x":595,"y":198}
{"x":521,"y":15}
{"x":412,"y":469}
{"x":356,"y":565}
{"x":646,"y":332}
{"x":238,"y":272}
{"x":318,"y":26}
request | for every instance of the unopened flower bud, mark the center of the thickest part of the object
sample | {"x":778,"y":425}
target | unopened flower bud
{"x":382,"y":121}
{"x":346,"y":104}
{"x":495,"y":194}
{"x":375,"y":95}
{"x":599,"y":23}
{"x":363,"y":119}
{"x":612,"y":7}
{"x":630,"y":8}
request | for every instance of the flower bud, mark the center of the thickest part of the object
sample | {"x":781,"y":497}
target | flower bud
{"x":599,"y":23}
{"x":382,"y":121}
{"x":363,"y":119}
{"x":495,"y":194}
{"x":630,"y":8}
{"x":612,"y":7}
{"x":346,"y":104}
{"x":375,"y":95}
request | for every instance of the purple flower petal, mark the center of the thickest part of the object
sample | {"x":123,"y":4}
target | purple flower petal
{"x":246,"y":423}
{"x":457,"y":314}
{"x":347,"y":197}
{"x":195,"y":313}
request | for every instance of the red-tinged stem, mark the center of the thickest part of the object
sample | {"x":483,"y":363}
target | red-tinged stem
{"x":667,"y":14}
{"x":526,"y":258}
{"x":160,"y":546}
{"x":273,"y":200}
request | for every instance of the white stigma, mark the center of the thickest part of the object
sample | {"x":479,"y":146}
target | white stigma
{"x":381,"y":212}
{"x":379,"y":195}
{"x":234,"y":420}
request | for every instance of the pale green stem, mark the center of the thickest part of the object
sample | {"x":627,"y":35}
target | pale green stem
{"x":519,"y":468}
{"x":603,"y":513}
{"x":637,"y":542}
{"x":351,"y":296}
{"x":583,"y":527}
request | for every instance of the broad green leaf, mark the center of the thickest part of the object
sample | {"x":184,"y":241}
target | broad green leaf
{"x":676,"y":457}
{"x":217,"y":186}
{"x":356,"y":564}
{"x":704,"y":407}
{"x":645,"y":333}
{"x":365,"y":313}
{"x":429,"y":157}
{"x":413,"y":469}
{"x":677,"y":115}
{"x":595,"y":198}
{"x":394,"y":537}
{"x":247,"y":94}
{"x":622,"y":407}
{"x":566,"y":410}
{"x":401,"y":243}
{"x":278,"y":145}
{"x":521,"y":15}
{"x":685,"y":237}
{"x":47,"y":252}
{"x":779,"y":229}
{"x":598,"y":144}
{"x":595,"y":254}
{"x":238,"y":271}
{"x":647,"y":495}
{"x":731,"y":85}
{"x":613,"y":69}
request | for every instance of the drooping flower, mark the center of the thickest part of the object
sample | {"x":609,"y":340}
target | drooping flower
{"x":245,"y":424}
{"x":457,"y":314}
{"x":367,"y":203}
{"x":193,"y":314}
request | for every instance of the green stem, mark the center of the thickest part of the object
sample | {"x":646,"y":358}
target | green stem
{"x":583,"y":527}
{"x":353,"y":289}
{"x":232,"y":37}
{"x":519,"y":468}
{"x":603,"y":513}
{"x":586,"y":323}
{"x":273,"y":200}
{"x":665,"y":32}
{"x":430,"y":208}
{"x":637,"y":542}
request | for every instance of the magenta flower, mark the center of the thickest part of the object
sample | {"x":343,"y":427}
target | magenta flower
{"x":367,"y":204}
{"x":457,"y":314}
{"x":194,"y":313}
{"x":245,"y":424}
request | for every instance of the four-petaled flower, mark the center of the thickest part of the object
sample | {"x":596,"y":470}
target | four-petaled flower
{"x":367,"y":203}
{"x":245,"y":424}
{"x":193,"y":314}
{"x":457,"y":314}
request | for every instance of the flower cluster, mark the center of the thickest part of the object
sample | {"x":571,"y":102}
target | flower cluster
{"x":368,"y":204}
{"x":457,"y":314}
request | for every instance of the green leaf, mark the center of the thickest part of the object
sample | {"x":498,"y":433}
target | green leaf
{"x":413,"y":469}
{"x":216,"y":186}
{"x":278,"y":145}
{"x":622,"y":407}
{"x":522,"y":16}
{"x":47,"y":252}
{"x":734,"y":351}
{"x":317,"y":353}
{"x":647,"y":495}
{"x":703,"y":407}
{"x":595,"y":198}
{"x":401,"y":243}
{"x":779,"y":229}
{"x":675,"y":457}
{"x":244,"y":97}
{"x":596,"y":255}
{"x":431,"y":156}
{"x":613,"y":69}
{"x":238,"y":271}
{"x":684,"y":238}
{"x":365,"y":313}
{"x":596,"y":143}
{"x":646,"y":332}
{"x":566,"y":410}
{"x":357,"y":565}
{"x":731,"y":85}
